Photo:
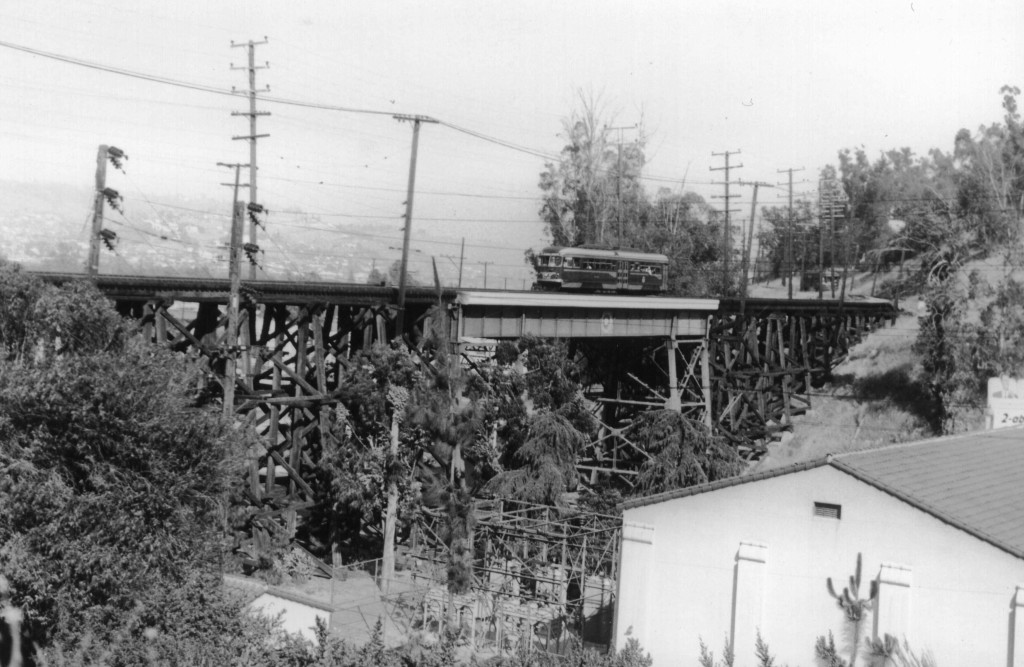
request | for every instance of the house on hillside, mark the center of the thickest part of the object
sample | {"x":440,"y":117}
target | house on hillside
{"x":939,"y":524}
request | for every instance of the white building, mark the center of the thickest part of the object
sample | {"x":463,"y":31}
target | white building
{"x":940,"y":525}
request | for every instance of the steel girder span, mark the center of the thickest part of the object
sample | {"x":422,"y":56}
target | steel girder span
{"x":636,"y":354}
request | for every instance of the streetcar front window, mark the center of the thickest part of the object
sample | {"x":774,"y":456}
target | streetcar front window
{"x":556,"y":260}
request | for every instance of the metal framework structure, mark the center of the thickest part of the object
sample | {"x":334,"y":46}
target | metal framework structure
{"x":540,"y":575}
{"x":635,"y":354}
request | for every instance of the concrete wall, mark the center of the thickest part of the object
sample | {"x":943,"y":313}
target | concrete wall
{"x":297,"y":616}
{"x":754,"y":557}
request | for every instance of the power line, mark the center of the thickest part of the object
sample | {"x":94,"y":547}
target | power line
{"x":726,"y":250}
{"x":252,"y":137}
{"x":291,"y":102}
{"x":182,"y":84}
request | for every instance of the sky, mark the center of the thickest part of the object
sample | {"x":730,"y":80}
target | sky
{"x":786,"y":83}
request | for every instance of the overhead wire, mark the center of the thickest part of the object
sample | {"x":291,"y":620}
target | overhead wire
{"x":154,"y":78}
{"x":347,"y":109}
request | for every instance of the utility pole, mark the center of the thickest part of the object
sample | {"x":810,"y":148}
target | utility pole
{"x":416,"y":121}
{"x":750,"y":231}
{"x":789,"y":230}
{"x":821,"y":250}
{"x":462,"y":254}
{"x":92,"y":266}
{"x":618,"y":179}
{"x":235,"y":280}
{"x":485,"y":272}
{"x":102,"y":194}
{"x":830,"y":195}
{"x":252,"y":136}
{"x":846,"y":253}
{"x":832,"y":248}
{"x":726,"y":232}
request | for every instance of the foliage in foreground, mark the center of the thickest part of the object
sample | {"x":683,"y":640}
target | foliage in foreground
{"x":883,"y":652}
{"x":114,"y":477}
{"x":255,"y":641}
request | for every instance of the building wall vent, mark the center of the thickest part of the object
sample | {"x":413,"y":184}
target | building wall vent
{"x":828,"y":510}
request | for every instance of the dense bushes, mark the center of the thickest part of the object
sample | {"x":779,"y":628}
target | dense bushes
{"x":114,"y":480}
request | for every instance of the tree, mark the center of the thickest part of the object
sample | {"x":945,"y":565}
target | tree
{"x":790,"y":242}
{"x":546,"y":463}
{"x":115,"y":474}
{"x":579,"y":190}
{"x":972,"y":328}
{"x":363,"y":478}
{"x":683,"y":453}
{"x":689,"y":232}
{"x":594,"y":195}
{"x":544,"y":427}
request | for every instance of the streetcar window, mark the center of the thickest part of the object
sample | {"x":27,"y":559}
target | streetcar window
{"x":556,"y":260}
{"x":656,"y":271}
{"x":570,"y":262}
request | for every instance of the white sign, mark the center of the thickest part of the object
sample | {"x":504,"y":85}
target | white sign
{"x":1005,"y":402}
{"x":606,"y":324}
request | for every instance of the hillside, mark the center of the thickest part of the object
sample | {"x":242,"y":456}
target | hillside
{"x":878,"y":395}
{"x":47,"y":229}
{"x":875,"y":399}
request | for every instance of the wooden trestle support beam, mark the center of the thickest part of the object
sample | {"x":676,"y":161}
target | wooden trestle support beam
{"x":291,"y":360}
{"x":746,"y":377}
{"x":765,"y":366}
{"x":623,"y":378}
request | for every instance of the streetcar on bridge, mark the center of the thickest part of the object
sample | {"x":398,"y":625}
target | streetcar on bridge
{"x":590,"y":269}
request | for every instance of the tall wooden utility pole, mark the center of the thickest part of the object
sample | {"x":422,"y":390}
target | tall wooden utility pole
{"x":846,"y":253}
{"x":235,"y":280}
{"x":789,"y":229}
{"x":750,"y":232}
{"x":252,"y":136}
{"x":618,"y":182}
{"x":462,"y":255}
{"x":832,"y":248}
{"x":416,"y":120}
{"x":821,"y":248}
{"x":830,"y":194}
{"x":115,"y":156}
{"x":726,"y":232}
{"x":92,"y":265}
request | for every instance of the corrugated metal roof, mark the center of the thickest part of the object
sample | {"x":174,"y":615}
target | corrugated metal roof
{"x":973,"y":481}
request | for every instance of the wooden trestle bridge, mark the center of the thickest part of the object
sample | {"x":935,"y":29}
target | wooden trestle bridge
{"x":743,"y":367}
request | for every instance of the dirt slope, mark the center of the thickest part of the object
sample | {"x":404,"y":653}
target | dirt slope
{"x":876,"y":398}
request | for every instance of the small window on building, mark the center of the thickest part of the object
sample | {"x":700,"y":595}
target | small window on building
{"x":828,"y":510}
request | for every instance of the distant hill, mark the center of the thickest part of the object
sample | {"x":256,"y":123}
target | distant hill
{"x":48,"y":227}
